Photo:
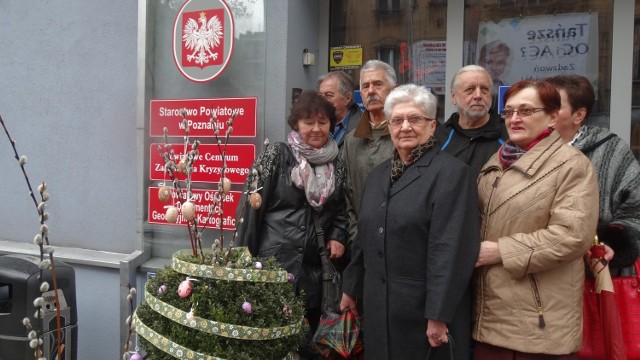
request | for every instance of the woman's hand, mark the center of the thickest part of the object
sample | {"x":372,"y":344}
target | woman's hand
{"x":347,"y":302}
{"x":489,"y":254}
{"x":608,"y":254}
{"x":336,"y":249}
{"x":436,"y":333}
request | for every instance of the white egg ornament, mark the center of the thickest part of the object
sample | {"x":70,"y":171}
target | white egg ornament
{"x":226,"y":185}
{"x":164,"y":193}
{"x":162,"y":290}
{"x":191,"y":318}
{"x":171,"y":215}
{"x":188,"y":210}
{"x":182,"y":167}
{"x":255,"y":199}
{"x":258,"y":265}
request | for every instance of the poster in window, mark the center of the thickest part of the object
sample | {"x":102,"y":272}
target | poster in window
{"x":429,"y":59}
{"x":537,"y":47}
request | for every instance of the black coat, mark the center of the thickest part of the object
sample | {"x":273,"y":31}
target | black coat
{"x":354,"y":119}
{"x":473,"y":146}
{"x":283,"y":226}
{"x":418,"y":241}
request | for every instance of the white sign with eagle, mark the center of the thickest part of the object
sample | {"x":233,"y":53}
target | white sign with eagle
{"x":203,"y":39}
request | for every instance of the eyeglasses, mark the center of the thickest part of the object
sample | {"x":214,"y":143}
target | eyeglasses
{"x":413,"y":120}
{"x":524,"y":112}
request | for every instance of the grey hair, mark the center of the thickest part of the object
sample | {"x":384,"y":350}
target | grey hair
{"x":413,"y":94}
{"x":373,"y":65}
{"x":469,"y":68}
{"x":345,"y":84}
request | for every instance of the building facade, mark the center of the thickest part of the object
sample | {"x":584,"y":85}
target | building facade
{"x":77,"y":82}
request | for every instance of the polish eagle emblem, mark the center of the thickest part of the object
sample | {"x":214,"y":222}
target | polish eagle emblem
{"x":202,"y":39}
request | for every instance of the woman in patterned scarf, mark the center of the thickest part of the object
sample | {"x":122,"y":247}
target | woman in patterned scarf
{"x":417,"y":240}
{"x":297,"y":181}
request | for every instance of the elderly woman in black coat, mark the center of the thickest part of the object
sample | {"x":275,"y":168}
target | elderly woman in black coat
{"x":417,"y":241}
{"x":299,"y":180}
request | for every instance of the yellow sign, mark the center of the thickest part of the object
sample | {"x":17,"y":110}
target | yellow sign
{"x":345,"y":57}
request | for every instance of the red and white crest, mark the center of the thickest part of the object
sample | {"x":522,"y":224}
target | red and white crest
{"x":203,"y":39}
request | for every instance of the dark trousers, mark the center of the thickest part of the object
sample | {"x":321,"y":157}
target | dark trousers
{"x":483,"y":351}
{"x":313,"y":317}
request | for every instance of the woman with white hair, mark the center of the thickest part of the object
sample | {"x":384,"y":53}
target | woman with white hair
{"x":417,"y":240}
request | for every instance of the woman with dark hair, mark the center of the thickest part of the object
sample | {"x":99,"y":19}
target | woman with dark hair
{"x":300,"y":182}
{"x":539,"y":211}
{"x":618,"y":171}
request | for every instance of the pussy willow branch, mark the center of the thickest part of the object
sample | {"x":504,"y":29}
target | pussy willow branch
{"x":223,"y":152}
{"x":170,"y":167}
{"x":130,"y":298}
{"x":41,"y":214}
{"x":24,"y":172}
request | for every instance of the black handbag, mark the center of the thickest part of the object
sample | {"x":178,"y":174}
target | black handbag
{"x":331,"y":278}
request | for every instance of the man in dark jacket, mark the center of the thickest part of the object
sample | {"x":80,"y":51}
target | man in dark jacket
{"x":472,"y":134}
{"x":337,"y":87}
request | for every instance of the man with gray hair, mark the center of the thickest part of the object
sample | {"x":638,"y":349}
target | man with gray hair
{"x":472,"y":134}
{"x":337,"y":88}
{"x":370,"y":143}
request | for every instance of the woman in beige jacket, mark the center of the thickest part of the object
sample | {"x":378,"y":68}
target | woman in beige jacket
{"x":539,"y":211}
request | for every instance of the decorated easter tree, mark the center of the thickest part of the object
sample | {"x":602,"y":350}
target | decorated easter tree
{"x":218,"y":302}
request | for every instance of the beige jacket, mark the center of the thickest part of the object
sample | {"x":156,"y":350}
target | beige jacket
{"x":543,"y":212}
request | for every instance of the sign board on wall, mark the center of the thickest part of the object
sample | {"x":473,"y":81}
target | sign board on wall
{"x":537,"y":47}
{"x":208,"y":166}
{"x":203,"y":39}
{"x":345,"y":57}
{"x":203,"y":201}
{"x":167,"y":113}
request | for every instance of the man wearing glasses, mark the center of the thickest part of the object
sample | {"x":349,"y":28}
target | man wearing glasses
{"x":472,"y":134}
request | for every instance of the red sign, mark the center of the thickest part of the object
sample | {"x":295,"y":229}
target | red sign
{"x":199,"y":112}
{"x":208,"y":166}
{"x":203,"y":201}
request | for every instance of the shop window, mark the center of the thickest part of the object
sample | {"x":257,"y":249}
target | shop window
{"x":413,"y":41}
{"x":517,"y":3}
{"x":543,"y":38}
{"x":388,"y":6}
{"x":390,"y":55}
